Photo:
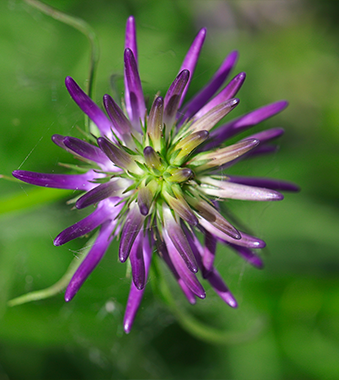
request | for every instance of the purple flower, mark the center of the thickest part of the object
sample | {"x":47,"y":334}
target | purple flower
{"x":156,"y":177}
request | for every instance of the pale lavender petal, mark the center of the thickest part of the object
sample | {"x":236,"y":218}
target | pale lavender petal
{"x":135,"y":295}
{"x":227,"y":93}
{"x":86,"y":150}
{"x":134,"y":98}
{"x":106,"y":210}
{"x":204,"y":95}
{"x":220,"y":288}
{"x":173,"y":97}
{"x":244,"y":122}
{"x":229,"y":190}
{"x":100,"y":192}
{"x":58,"y":181}
{"x":248,"y":255}
{"x":184,"y":273}
{"x":245,"y":241}
{"x":191,"y":58}
{"x":92,"y":259}
{"x":132,"y":227}
{"x":137,"y":262}
{"x":269,"y":183}
{"x":131,"y":37}
{"x":214,"y":115}
{"x":89,"y":107}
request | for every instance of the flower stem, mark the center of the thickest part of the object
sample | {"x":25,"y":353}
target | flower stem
{"x":60,"y":285}
{"x":194,"y":326}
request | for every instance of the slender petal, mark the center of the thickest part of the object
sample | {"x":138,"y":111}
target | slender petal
{"x":191,"y":58}
{"x":269,"y":183}
{"x":121,"y":124}
{"x":245,"y":241}
{"x":89,"y":107}
{"x":213,"y":116}
{"x":135,"y":295}
{"x":267,"y":135}
{"x":137,"y":262}
{"x":203,"y":96}
{"x":106,"y":210}
{"x":155,"y":124}
{"x":131,"y":37}
{"x":173,"y":97}
{"x":135,"y":103}
{"x":229,"y":190}
{"x":85,"y":150}
{"x":220,"y":288}
{"x":209,"y":251}
{"x":92,"y":259}
{"x":58,"y":181}
{"x":130,"y":231}
{"x":204,"y":161}
{"x":248,"y":255}
{"x":117,"y":155}
{"x":244,"y":122}
{"x":187,"y":291}
{"x":227,"y":93}
{"x":109,"y":189}
{"x":179,"y":240}
{"x":185,"y":274}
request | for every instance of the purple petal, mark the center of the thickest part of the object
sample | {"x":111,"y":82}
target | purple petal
{"x":119,"y":120}
{"x":248,"y":255}
{"x":92,"y":259}
{"x":174,"y":96}
{"x":220,"y":288}
{"x":135,"y":295}
{"x":59,"y":140}
{"x":191,"y":58}
{"x":269,"y":183}
{"x":227,"y":93}
{"x":106,"y":210}
{"x":185,"y":274}
{"x":179,"y":240}
{"x":132,"y":227}
{"x":58,"y":181}
{"x":267,"y":135}
{"x":209,"y":251}
{"x":202,"y":97}
{"x":85,"y":150}
{"x":244,"y":122}
{"x":131,"y":37}
{"x":137,"y":262}
{"x":99,"y":193}
{"x":263,"y":149}
{"x":187,"y":291}
{"x":134,"y":98}
{"x":87,"y":105}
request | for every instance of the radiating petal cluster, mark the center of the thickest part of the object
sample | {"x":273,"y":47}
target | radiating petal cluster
{"x":155,"y":178}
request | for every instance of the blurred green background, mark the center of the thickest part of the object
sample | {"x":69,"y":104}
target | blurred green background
{"x":288,"y":312}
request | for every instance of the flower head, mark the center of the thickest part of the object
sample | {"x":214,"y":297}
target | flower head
{"x":156,"y":178}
